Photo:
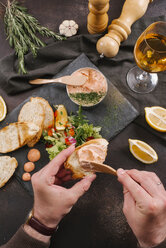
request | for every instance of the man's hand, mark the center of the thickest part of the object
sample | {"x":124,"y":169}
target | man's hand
{"x":144,"y":205}
{"x":52,"y":201}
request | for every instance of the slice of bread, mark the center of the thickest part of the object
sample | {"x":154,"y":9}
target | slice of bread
{"x":16,"y":135}
{"x":49,"y":114}
{"x":73,"y":162}
{"x":33,"y":112}
{"x":7,"y":168}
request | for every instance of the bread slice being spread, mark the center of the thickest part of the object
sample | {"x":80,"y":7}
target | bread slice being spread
{"x":7,"y":168}
{"x":33,"y":112}
{"x":16,"y":135}
{"x":94,"y":150}
{"x":49,"y":114}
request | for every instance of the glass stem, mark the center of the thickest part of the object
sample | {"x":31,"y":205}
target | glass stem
{"x":142,"y":77}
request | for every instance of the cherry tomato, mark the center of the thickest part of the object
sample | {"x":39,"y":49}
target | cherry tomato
{"x":49,"y":127}
{"x":71,"y":132}
{"x":55,"y":113}
{"x":67,"y":142}
{"x":90,"y":138}
{"x":65,"y":133}
{"x":50,"y":132}
{"x":48,"y":145}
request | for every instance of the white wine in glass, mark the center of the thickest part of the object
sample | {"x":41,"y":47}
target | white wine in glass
{"x":150,"y":56}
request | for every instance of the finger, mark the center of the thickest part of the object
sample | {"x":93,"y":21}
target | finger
{"x":129,"y":202}
{"x":137,"y":192}
{"x":62,"y":173}
{"x":81,"y":187}
{"x":57,"y":181}
{"x":54,"y":165}
{"x":66,"y":178}
{"x":149,"y":181}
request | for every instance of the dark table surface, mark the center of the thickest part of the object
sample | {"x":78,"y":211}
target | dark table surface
{"x":97,"y":219}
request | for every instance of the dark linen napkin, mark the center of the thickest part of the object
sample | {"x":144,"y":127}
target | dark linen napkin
{"x":57,"y":55}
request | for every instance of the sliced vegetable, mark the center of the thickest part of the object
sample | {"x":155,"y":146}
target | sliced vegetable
{"x":76,"y":130}
{"x":61,"y":118}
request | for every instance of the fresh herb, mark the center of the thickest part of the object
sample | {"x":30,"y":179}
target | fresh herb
{"x":83,"y":130}
{"x":22,"y":29}
{"x":79,"y":119}
{"x":87,"y":98}
{"x":77,"y":131}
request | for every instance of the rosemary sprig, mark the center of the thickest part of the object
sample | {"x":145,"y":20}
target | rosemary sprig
{"x":22,"y":30}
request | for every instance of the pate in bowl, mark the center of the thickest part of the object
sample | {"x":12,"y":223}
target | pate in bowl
{"x":92,"y":92}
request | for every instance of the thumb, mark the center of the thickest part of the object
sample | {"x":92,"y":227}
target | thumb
{"x":54,"y":165}
{"x":82,"y":186}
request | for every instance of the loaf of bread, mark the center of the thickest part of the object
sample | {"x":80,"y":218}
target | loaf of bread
{"x":94,"y":150}
{"x":33,"y":112}
{"x":49,"y":114}
{"x":17,"y":135}
{"x":7,"y":168}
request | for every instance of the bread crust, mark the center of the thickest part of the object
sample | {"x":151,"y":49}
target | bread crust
{"x":80,"y":172}
{"x":33,"y":112}
{"x":16,"y":135}
{"x":49,"y":113}
{"x":7,"y":168}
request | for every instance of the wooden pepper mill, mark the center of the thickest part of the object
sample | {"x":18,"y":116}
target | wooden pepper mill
{"x":120,"y":28}
{"x":98,"y":17}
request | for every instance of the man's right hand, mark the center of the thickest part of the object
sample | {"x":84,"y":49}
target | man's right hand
{"x":144,"y":205}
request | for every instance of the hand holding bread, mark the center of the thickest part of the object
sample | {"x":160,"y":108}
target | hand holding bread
{"x":49,"y":208}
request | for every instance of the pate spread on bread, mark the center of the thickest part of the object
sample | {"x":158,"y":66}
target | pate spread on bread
{"x":94,"y":150}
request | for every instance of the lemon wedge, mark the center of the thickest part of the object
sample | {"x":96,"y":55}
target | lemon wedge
{"x":142,"y":151}
{"x":156,"y":118}
{"x":61,"y":118}
{"x":3,"y":109}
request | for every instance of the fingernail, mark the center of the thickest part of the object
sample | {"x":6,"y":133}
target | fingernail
{"x":121,"y":171}
{"x":86,"y":186}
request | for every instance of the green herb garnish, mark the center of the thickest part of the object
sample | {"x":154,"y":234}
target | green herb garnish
{"x":22,"y":30}
{"x":87,"y":98}
{"x":83,"y":130}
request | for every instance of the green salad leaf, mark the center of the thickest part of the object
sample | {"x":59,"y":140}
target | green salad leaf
{"x":56,"y":149}
{"x":82,"y":131}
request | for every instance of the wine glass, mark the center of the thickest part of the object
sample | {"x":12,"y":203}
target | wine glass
{"x":150,"y":56}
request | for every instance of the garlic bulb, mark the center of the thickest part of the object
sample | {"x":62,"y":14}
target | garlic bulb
{"x":68,"y":28}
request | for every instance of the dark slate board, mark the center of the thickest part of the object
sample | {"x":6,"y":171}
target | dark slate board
{"x":113,"y":114}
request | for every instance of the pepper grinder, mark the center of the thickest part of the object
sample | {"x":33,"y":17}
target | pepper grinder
{"x":98,"y":17}
{"x":120,"y":28}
